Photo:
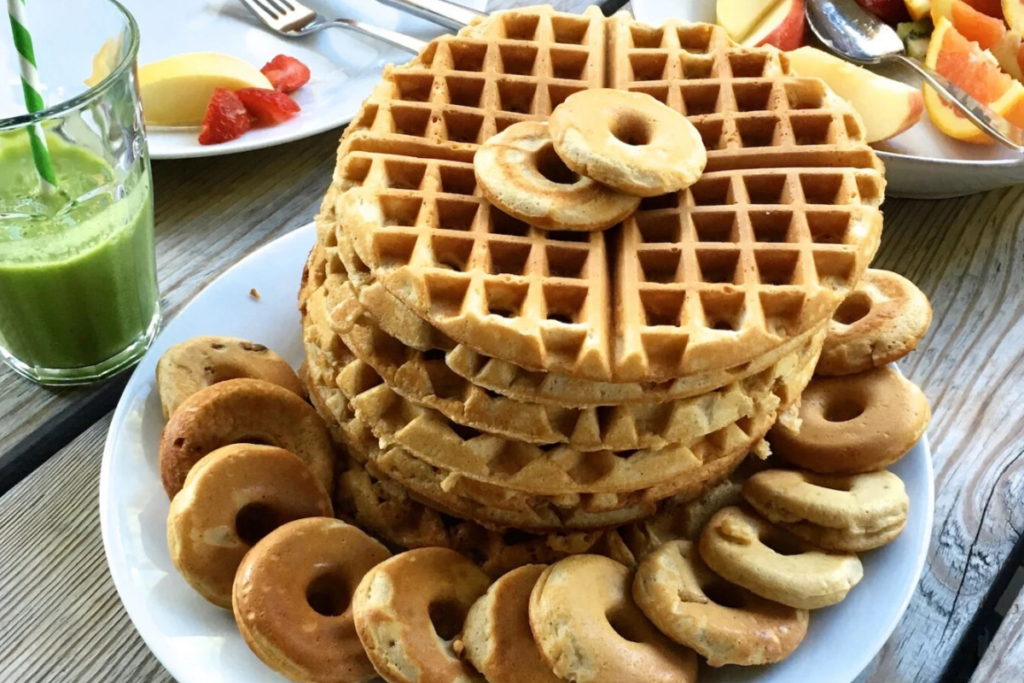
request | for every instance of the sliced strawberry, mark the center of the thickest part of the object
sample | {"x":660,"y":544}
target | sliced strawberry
{"x":285,"y":73}
{"x":226,"y":118}
{"x":267,"y":107}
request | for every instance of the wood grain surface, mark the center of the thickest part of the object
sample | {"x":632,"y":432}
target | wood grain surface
{"x":966,"y":254}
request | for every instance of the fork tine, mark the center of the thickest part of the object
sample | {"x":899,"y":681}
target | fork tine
{"x":264,"y":13}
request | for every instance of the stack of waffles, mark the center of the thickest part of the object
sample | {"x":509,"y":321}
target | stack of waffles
{"x":481,"y":375}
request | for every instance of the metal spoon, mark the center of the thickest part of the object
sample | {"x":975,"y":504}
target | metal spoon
{"x":851,"y":32}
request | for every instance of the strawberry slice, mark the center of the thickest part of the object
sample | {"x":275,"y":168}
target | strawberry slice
{"x":267,"y":107}
{"x":285,"y":73}
{"x":226,"y":118}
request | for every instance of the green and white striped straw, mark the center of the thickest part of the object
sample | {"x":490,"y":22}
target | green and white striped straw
{"x":33,"y":98}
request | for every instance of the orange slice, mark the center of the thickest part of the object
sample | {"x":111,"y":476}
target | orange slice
{"x":973,"y":25}
{"x":976,"y":71}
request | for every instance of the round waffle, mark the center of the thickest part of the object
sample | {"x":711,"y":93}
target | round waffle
{"x":759,"y":251}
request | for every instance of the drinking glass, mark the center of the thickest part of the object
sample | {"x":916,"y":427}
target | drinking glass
{"x":78,"y":291}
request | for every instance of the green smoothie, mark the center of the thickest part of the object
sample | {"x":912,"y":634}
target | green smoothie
{"x":77,"y":271}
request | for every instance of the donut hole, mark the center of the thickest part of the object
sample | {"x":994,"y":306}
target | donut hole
{"x":724,"y":594}
{"x":447,"y":616}
{"x":631,"y":129}
{"x":551,"y":166}
{"x":845,"y":484}
{"x":328,"y":595}
{"x":853,"y":308}
{"x":256,"y":520}
{"x":843,"y":409}
{"x":782,"y":544}
{"x":626,"y":626}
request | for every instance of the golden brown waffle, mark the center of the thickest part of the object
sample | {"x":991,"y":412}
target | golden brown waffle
{"x":424,"y":378}
{"x":758,"y":252}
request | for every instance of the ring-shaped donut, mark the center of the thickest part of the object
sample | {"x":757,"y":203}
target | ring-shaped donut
{"x":855,"y":423}
{"x":879,"y":322}
{"x":410,"y":609}
{"x":589,"y":629}
{"x":195,"y":364}
{"x":860,"y":502}
{"x":750,"y":552}
{"x":497,"y":634}
{"x":519,"y":172}
{"x":678,"y":592}
{"x":243,"y":411}
{"x":292,"y":600}
{"x":628,"y":141}
{"x":232,"y":498}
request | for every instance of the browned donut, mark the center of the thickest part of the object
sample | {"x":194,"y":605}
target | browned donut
{"x":853,"y":424}
{"x":243,"y":411}
{"x":231,"y":499}
{"x":195,"y":364}
{"x":292,"y":600}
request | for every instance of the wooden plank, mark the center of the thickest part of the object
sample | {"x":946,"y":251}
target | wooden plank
{"x":965,"y":253}
{"x":63,"y":621}
{"x":1004,"y":660}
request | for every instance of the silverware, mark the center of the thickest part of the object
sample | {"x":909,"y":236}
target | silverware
{"x":440,"y":12}
{"x":851,"y":32}
{"x":292,"y":19}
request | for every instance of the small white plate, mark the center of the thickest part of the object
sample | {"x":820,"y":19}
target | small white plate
{"x":345,"y":66}
{"x":199,"y":643}
{"x":922,"y":162}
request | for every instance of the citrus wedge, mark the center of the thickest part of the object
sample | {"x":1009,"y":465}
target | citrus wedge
{"x":976,"y":71}
{"x":973,"y":25}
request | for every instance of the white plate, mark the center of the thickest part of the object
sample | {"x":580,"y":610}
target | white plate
{"x":345,"y":66}
{"x":199,"y":643}
{"x":922,"y":162}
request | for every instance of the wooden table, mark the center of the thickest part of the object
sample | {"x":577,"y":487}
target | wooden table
{"x":61,"y":620}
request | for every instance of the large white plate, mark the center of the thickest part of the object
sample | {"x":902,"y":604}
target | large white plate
{"x":199,"y":643}
{"x":923,"y":162}
{"x":345,"y":66}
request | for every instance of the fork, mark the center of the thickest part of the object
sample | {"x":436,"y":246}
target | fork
{"x":292,"y":19}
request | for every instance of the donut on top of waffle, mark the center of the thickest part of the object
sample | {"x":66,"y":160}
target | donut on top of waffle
{"x":431,"y":296}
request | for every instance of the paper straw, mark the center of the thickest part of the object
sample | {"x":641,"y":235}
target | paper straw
{"x":33,"y":99}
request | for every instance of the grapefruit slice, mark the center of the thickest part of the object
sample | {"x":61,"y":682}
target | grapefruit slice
{"x":973,"y":25}
{"x":976,"y":71}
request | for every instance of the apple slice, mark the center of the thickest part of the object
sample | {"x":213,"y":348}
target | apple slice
{"x":784,"y":27}
{"x":740,"y":17}
{"x":1008,"y":52}
{"x":1013,"y":12}
{"x":887,"y":107}
{"x":918,"y":9}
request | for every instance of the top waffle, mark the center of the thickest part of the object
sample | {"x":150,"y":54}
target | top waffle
{"x":759,"y":251}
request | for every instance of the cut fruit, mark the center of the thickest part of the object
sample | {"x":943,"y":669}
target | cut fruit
{"x":1009,"y":52}
{"x":887,"y":107}
{"x":976,"y":71}
{"x":176,"y":91}
{"x":993,"y":8}
{"x":889,"y":11}
{"x":1013,"y":12}
{"x":784,"y":27}
{"x":918,"y":8}
{"x":739,"y":18}
{"x":973,"y":25}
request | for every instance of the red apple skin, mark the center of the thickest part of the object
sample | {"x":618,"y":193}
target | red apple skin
{"x":889,"y":11}
{"x":792,"y":32}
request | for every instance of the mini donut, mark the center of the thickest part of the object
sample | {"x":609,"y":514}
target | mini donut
{"x":628,"y":141}
{"x":243,"y":411}
{"x":195,"y":364}
{"x":409,"y":611}
{"x":672,"y":586}
{"x":854,"y":424}
{"x":519,"y":172}
{"x":879,"y":322}
{"x":497,"y":634}
{"x":231,"y":499}
{"x":589,"y":629}
{"x":292,"y":602}
{"x":849,"y":513}
{"x":749,"y":551}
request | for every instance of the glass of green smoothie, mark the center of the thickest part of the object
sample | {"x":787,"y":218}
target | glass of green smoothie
{"x":78,"y":291}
